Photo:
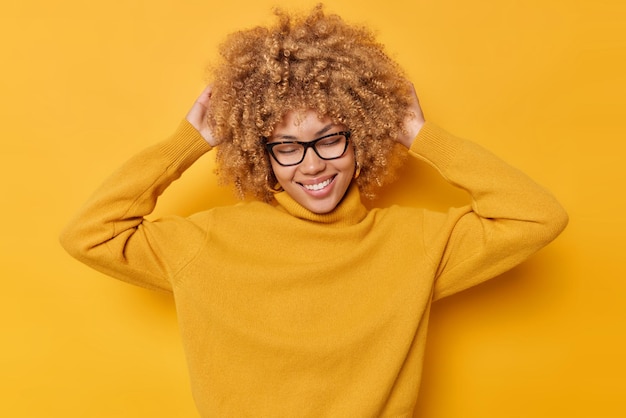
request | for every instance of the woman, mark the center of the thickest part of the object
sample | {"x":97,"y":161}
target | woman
{"x":302,"y":302}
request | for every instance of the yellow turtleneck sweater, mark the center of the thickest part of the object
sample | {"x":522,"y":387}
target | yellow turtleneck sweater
{"x":286,"y":313}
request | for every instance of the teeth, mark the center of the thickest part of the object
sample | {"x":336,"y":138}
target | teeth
{"x":318,"y":186}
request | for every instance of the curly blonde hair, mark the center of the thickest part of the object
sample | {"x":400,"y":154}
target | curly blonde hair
{"x":315,"y":62}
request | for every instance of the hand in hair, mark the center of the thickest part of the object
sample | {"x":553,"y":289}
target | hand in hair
{"x":413,"y":122}
{"x":198,"y":113}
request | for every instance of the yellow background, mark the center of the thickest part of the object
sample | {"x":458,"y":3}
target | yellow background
{"x":84,"y":84}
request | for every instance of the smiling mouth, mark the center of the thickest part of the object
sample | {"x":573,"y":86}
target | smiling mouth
{"x":318,"y":186}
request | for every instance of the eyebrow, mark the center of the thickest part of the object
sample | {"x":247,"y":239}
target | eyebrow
{"x":293,"y":138}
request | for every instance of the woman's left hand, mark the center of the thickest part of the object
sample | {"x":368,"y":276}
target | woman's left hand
{"x":413,"y":122}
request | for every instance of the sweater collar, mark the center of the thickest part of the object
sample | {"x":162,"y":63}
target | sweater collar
{"x":349,"y":211}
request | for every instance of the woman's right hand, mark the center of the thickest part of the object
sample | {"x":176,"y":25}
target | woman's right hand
{"x":197,"y":116}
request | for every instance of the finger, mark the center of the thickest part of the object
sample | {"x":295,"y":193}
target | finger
{"x":205,"y":97}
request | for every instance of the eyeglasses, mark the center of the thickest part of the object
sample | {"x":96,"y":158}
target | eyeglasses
{"x":327,"y":147}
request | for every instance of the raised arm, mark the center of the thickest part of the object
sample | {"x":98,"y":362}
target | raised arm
{"x":110,"y":233}
{"x":510,"y":216}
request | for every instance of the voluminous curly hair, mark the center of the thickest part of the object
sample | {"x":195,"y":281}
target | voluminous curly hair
{"x":316,"y":62}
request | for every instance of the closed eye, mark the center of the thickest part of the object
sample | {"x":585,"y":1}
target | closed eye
{"x":287,"y":148}
{"x":330,"y":141}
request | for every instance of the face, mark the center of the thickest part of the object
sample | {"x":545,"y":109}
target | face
{"x":316,"y":184}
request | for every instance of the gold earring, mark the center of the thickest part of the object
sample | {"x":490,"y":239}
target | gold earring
{"x":276,"y":189}
{"x":357,"y":171}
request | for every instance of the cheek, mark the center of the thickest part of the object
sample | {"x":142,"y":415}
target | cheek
{"x":352,"y":152}
{"x":350,"y":160}
{"x":282,"y":174}
{"x":274,"y":168}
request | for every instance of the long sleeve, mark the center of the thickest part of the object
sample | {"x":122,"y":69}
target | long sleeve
{"x":510,"y":216}
{"x":111,"y":234}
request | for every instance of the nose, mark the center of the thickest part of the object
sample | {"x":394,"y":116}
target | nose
{"x":312,"y":163}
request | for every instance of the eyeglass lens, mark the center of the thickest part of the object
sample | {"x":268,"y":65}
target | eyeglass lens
{"x":329,"y":147}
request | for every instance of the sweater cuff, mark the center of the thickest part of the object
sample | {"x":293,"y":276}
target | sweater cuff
{"x":434,"y":145}
{"x":185,"y":146}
